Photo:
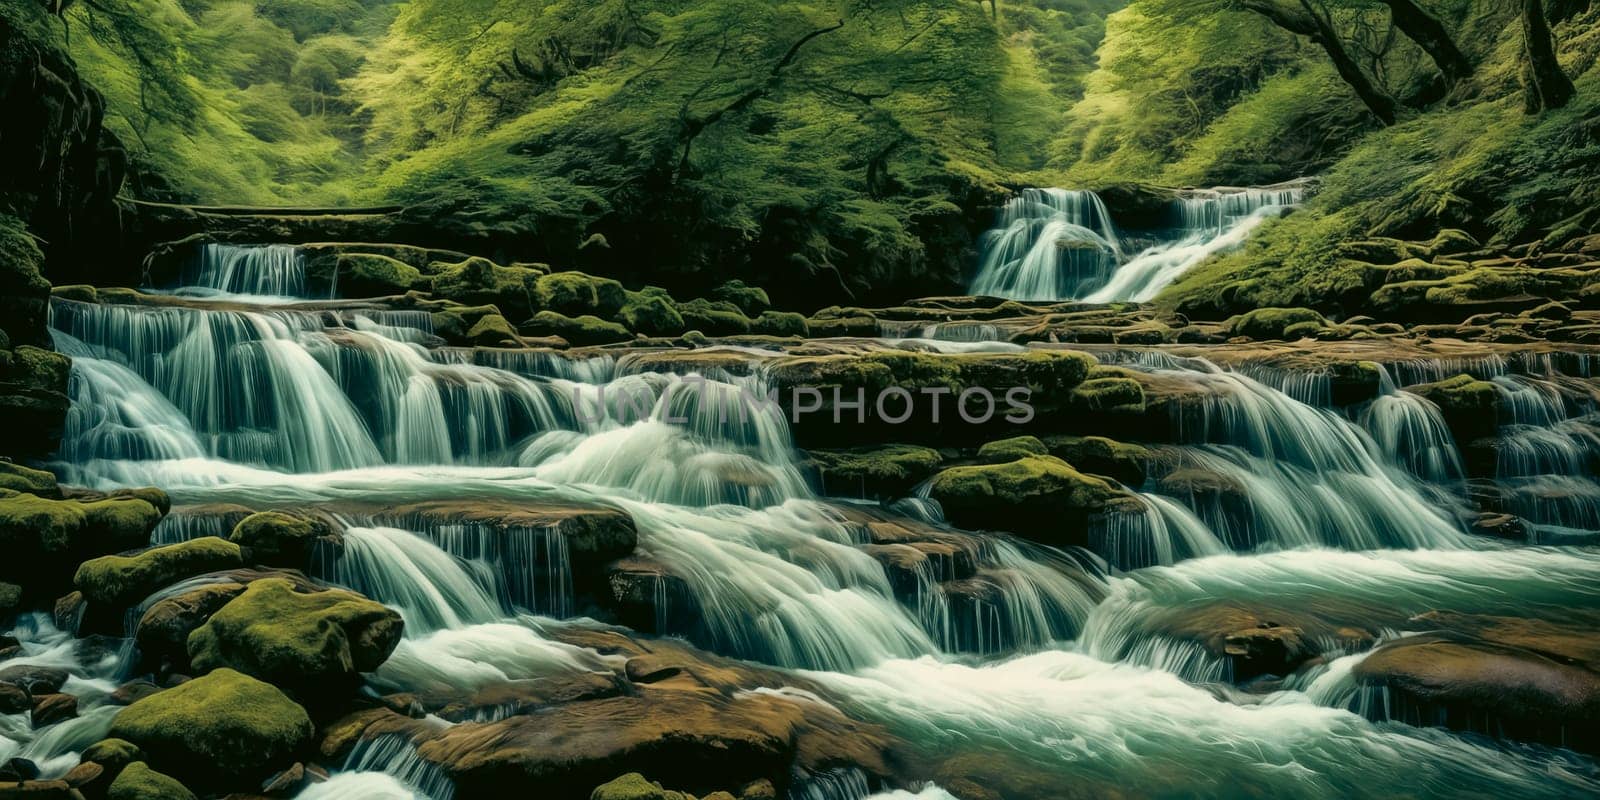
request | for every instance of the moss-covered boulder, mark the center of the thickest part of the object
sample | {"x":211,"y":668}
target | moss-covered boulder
{"x":714,"y":317}
{"x":751,"y":300}
{"x":584,"y":330}
{"x":1470,"y":406}
{"x":223,"y":730}
{"x":1004,"y":450}
{"x":281,"y":539}
{"x":113,"y":754}
{"x":875,"y":472}
{"x":164,"y":629}
{"x":1273,"y":323}
{"x":855,"y":325}
{"x":138,"y":781}
{"x":1041,"y":497}
{"x":44,"y":539}
{"x":651,"y":313}
{"x":779,"y":323}
{"x":492,"y":330}
{"x":634,"y":786}
{"x":478,"y":282}
{"x":373,"y":275}
{"x":122,"y":581}
{"x":313,"y":645}
{"x":1101,"y":456}
{"x":38,"y":482}
{"x":1112,"y":394}
{"x":576,"y":294}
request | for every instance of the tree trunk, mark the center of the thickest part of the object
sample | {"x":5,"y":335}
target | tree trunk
{"x":1304,"y":20}
{"x":1545,"y":85}
{"x":1429,"y":33}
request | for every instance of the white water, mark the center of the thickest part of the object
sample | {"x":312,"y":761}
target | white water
{"x":288,"y":406}
{"x":1056,"y":244}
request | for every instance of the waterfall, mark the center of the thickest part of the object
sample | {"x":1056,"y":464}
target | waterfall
{"x":273,"y":270}
{"x":1056,"y":244}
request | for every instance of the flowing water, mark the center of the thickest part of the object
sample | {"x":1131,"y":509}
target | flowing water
{"x":1059,"y":244}
{"x":1070,"y":669}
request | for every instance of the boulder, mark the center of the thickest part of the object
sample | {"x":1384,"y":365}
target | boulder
{"x":373,"y":275}
{"x":647,"y":597}
{"x":163,"y":632}
{"x":45,"y":540}
{"x":780,"y":323}
{"x":34,"y":679}
{"x":714,"y":318}
{"x":652,"y":314}
{"x":575,"y":294}
{"x":220,"y":730}
{"x":1040,"y":497}
{"x":581,"y":331}
{"x":1272,"y":323}
{"x":49,"y":709}
{"x":313,"y":645}
{"x":492,"y":330}
{"x":1101,"y":456}
{"x":1006,"y":450}
{"x":1470,"y":406}
{"x":138,"y":781}
{"x":123,"y":581}
{"x":281,"y":539}
{"x":884,"y":472}
{"x":38,"y":482}
{"x":634,"y":786}
{"x":480,"y":282}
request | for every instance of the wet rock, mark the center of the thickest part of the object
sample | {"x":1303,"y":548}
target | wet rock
{"x":40,"y":790}
{"x":580,"y":331}
{"x":133,"y":691}
{"x":1470,"y":407}
{"x":122,"y":581}
{"x":1113,"y":395}
{"x":882,"y":472}
{"x":492,"y":330}
{"x":577,"y":294}
{"x":18,"y":769}
{"x":35,"y":680}
{"x":1473,"y":683}
{"x":647,"y":597}
{"x":49,"y":709}
{"x":45,"y":540}
{"x":85,"y":773}
{"x":634,"y":786}
{"x":282,"y":539}
{"x":1274,"y":323}
{"x":113,"y":754}
{"x":651,"y":313}
{"x":38,"y":482}
{"x":314,"y":645}
{"x":1101,"y":456}
{"x":14,"y":699}
{"x":1500,"y":526}
{"x":220,"y":730}
{"x":1040,"y":497}
{"x":138,"y":781}
{"x":1006,"y":450}
{"x":479,"y":282}
{"x":751,"y":300}
{"x":288,"y":782}
{"x":163,"y":632}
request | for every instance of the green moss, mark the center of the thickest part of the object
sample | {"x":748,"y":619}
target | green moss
{"x":374,"y":275}
{"x":584,"y":330}
{"x":1271,"y":323}
{"x":714,"y":318}
{"x":478,"y":281}
{"x":887,"y":471}
{"x":121,"y":581}
{"x":1038,"y":496}
{"x":576,"y":294}
{"x":780,"y":323}
{"x":454,"y":323}
{"x":80,"y":292}
{"x":311,"y":644}
{"x":634,"y":786}
{"x":838,"y":327}
{"x":40,"y":368}
{"x":138,"y":781}
{"x":279,"y":539}
{"x":24,"y":292}
{"x":222,"y":729}
{"x":751,"y":300}
{"x":651,"y":313}
{"x":1122,"y":395}
{"x":491,"y":330}
{"x":1101,"y":456}
{"x":1011,"y":449}
{"x":18,"y":478}
{"x":31,"y":524}
{"x":113,"y":754}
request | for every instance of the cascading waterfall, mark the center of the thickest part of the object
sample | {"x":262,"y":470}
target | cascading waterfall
{"x":1040,"y":659}
{"x":274,"y":270}
{"x":1056,"y":244}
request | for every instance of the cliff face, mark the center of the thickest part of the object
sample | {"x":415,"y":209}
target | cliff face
{"x":60,"y":169}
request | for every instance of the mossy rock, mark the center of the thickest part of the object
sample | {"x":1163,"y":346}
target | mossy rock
{"x":580,"y":331}
{"x":113,"y":754}
{"x":24,"y":293}
{"x":1041,"y":497}
{"x":138,"y":781}
{"x":751,"y":300}
{"x":281,"y":539}
{"x":1113,"y":395}
{"x":634,"y":786}
{"x":1471,"y":407}
{"x":222,"y":730}
{"x":81,"y":292}
{"x":861,"y":325}
{"x":478,"y":281}
{"x":46,"y":539}
{"x":453,"y":324}
{"x":1451,"y":241}
{"x":1016,"y":447}
{"x":879,"y":472}
{"x":652,"y":314}
{"x":313,"y":645}
{"x":1101,"y":456}
{"x":18,"y":478}
{"x":575,"y":294}
{"x":780,"y":323}
{"x":714,"y":318}
{"x":123,"y":581}
{"x":374,"y":275}
{"x":1272,"y":323}
{"x":492,"y":330}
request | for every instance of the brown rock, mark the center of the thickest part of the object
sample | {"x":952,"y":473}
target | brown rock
{"x":49,"y":709}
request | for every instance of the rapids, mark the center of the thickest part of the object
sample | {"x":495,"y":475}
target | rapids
{"x":1080,"y":674}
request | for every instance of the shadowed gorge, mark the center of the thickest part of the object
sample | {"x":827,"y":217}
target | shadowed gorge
{"x":841,"y":400}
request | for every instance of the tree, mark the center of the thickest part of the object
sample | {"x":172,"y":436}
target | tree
{"x":1545,"y":86}
{"x":1422,"y":27}
{"x":1311,"y":19}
